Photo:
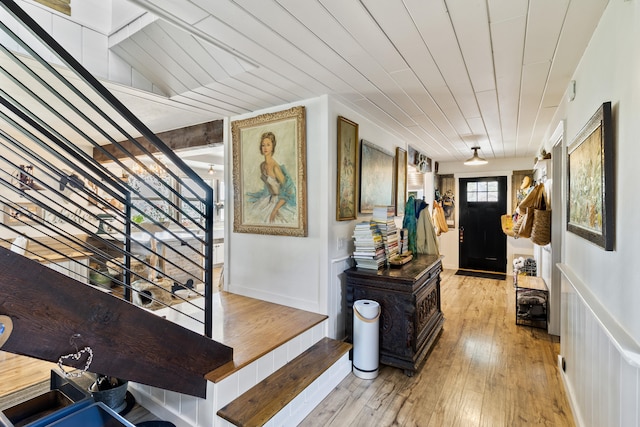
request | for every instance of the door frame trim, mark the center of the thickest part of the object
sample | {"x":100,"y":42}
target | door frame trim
{"x":480,"y":175}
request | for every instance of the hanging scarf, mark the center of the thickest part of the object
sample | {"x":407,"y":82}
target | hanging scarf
{"x":409,"y":222}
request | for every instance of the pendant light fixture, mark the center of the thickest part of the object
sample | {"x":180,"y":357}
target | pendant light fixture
{"x":210,"y":169}
{"x":475,"y":160}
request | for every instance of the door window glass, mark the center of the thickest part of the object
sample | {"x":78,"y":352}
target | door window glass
{"x":482,"y":191}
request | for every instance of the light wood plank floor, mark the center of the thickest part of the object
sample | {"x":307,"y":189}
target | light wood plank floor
{"x":483,"y":371}
{"x":18,"y":372}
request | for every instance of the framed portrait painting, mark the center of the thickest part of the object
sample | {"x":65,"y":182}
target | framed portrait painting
{"x":269,"y":174}
{"x":590,"y":183}
{"x":376,"y":177}
{"x":401,"y":181}
{"x":347,"y":170}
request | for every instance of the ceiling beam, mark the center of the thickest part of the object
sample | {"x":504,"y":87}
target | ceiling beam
{"x":201,"y":135}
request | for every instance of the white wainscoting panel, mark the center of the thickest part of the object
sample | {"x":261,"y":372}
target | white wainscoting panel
{"x":336,"y":297}
{"x":602,"y":362}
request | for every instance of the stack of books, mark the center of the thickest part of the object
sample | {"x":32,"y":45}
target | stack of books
{"x":404,"y":241}
{"x":369,"y":248}
{"x":383,"y":218}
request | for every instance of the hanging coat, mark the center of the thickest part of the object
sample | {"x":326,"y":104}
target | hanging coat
{"x":426,"y":241}
{"x":439,"y":220}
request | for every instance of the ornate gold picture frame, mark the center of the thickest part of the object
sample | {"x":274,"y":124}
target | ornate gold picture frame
{"x":347,"y":170}
{"x":269,"y":174}
{"x":400,"y":182}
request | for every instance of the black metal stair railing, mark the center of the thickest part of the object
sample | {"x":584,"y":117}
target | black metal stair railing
{"x":140,"y":226}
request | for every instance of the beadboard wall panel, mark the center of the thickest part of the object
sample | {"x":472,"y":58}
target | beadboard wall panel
{"x":602,"y":369}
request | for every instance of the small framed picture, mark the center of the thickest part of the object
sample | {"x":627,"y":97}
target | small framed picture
{"x":21,"y":214}
{"x":376,"y":177}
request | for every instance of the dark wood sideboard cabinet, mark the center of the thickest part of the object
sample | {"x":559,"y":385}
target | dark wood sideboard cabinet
{"x":411,"y":315}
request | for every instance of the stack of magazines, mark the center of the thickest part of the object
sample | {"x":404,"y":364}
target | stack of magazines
{"x":369,"y":247}
{"x":383,"y":218}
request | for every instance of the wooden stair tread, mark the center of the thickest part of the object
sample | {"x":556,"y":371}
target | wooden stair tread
{"x":260,"y":403}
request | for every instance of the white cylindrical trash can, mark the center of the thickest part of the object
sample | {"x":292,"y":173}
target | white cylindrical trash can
{"x":366,"y":335}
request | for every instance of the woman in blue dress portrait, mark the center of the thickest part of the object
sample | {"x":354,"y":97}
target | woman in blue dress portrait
{"x":275,"y":203}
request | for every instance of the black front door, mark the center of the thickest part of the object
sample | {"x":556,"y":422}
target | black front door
{"x":483,"y":245}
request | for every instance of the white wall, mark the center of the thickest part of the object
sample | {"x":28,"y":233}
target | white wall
{"x":608,"y":71}
{"x":283,"y":269}
{"x":340,"y":241}
{"x":371,"y":132}
{"x":304,"y":272}
{"x":85,"y":35}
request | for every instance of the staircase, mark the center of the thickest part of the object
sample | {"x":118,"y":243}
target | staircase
{"x":73,"y":220}
{"x":283,"y":365}
{"x":70,"y":224}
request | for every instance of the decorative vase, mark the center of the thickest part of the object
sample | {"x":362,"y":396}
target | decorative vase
{"x":111,"y":391}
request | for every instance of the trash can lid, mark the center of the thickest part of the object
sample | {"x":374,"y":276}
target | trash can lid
{"x":368,"y":309}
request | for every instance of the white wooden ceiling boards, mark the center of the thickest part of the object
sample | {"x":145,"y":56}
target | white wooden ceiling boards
{"x":442,"y":75}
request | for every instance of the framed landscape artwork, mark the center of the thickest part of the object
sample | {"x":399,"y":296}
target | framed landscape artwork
{"x":401,"y":181}
{"x":590,"y":181}
{"x":269,"y":174}
{"x":376,"y":177}
{"x":347,"y":170}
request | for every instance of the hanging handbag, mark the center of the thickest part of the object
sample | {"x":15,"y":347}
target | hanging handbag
{"x":517,"y":225}
{"x":526,"y":210}
{"x":527,"y":223}
{"x":530,"y":200}
{"x":507,"y":224}
{"x":541,"y":227}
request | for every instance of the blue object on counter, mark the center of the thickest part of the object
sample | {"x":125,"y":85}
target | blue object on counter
{"x":155,"y":424}
{"x":63,"y":398}
{"x":95,"y":415}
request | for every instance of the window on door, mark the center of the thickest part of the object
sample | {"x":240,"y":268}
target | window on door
{"x":482,"y":191}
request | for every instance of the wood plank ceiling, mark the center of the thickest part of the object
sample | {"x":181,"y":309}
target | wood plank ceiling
{"x":443,"y":75}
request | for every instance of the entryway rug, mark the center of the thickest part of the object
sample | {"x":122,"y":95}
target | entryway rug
{"x":482,"y":274}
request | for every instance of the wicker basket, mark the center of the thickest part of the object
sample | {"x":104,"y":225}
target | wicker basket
{"x":541,"y":229}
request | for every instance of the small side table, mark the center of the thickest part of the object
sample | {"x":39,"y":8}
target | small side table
{"x":532,"y":299}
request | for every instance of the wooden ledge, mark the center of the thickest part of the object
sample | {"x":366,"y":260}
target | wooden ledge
{"x":531,"y":282}
{"x":267,"y":398}
{"x":47,"y":249}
